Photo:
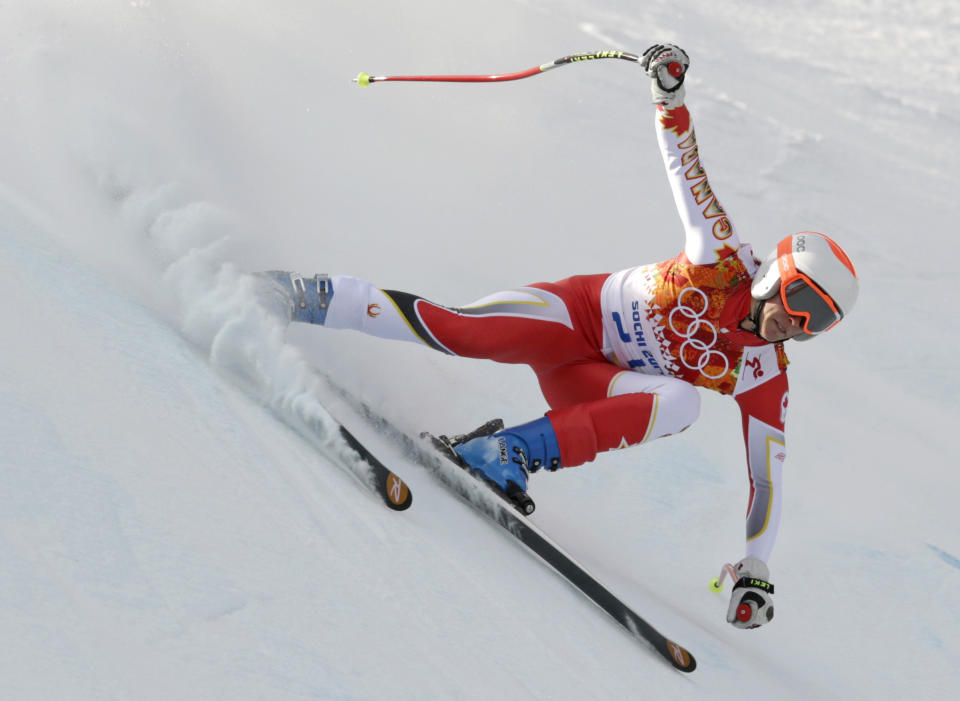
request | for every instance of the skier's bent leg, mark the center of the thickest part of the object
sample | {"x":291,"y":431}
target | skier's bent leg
{"x":574,"y":434}
{"x":658,"y":406}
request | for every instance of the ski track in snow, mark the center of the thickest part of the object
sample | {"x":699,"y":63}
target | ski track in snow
{"x":175,"y":518}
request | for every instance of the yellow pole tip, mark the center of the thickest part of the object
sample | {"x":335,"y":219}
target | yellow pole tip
{"x":715,"y":584}
{"x":363,"y":80}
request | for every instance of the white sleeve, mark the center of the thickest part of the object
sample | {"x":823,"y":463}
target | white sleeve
{"x":763,"y":405}
{"x":710,"y":235}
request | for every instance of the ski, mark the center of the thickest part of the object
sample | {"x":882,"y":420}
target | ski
{"x":393,"y":490}
{"x":372,"y":472}
{"x":506,"y":514}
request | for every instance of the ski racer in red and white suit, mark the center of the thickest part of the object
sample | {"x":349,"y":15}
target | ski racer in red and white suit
{"x":681,"y":318}
{"x":618,"y":356}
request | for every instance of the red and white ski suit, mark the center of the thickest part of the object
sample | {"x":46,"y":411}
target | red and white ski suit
{"x":619,"y":356}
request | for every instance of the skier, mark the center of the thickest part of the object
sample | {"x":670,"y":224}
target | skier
{"x":619,"y":356}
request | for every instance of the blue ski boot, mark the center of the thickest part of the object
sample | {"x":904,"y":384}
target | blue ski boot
{"x":505,"y":458}
{"x":309,"y":297}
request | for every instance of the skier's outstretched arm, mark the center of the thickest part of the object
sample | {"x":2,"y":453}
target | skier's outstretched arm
{"x":763,"y":409}
{"x":709,"y":232}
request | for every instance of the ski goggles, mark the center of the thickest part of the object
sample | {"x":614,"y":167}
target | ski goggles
{"x":802,"y":297}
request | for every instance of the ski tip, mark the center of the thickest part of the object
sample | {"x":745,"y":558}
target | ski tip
{"x":363,"y":80}
{"x":397,"y":494}
{"x":680,"y":658}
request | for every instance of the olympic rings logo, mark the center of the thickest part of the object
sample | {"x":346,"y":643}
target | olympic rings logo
{"x":695,"y":322}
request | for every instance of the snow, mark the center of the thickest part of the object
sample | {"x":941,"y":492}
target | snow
{"x":174,"y":518}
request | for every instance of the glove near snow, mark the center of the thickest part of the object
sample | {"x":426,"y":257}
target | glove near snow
{"x":750,"y":602}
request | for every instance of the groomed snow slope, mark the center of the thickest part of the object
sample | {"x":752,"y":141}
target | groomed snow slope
{"x":169,"y":529}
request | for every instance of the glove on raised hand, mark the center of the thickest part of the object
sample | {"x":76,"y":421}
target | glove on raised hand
{"x":667,"y":65}
{"x":750,"y":602}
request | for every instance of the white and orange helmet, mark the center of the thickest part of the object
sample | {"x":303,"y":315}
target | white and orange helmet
{"x":815,"y":278}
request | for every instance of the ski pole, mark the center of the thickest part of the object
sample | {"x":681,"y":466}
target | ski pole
{"x":716,"y":584}
{"x":364,"y":79}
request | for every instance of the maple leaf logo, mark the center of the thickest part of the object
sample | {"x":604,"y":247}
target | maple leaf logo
{"x":676,"y":120}
{"x":725,"y":251}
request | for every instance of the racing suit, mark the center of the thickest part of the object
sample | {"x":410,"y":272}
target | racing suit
{"x":619,"y":356}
